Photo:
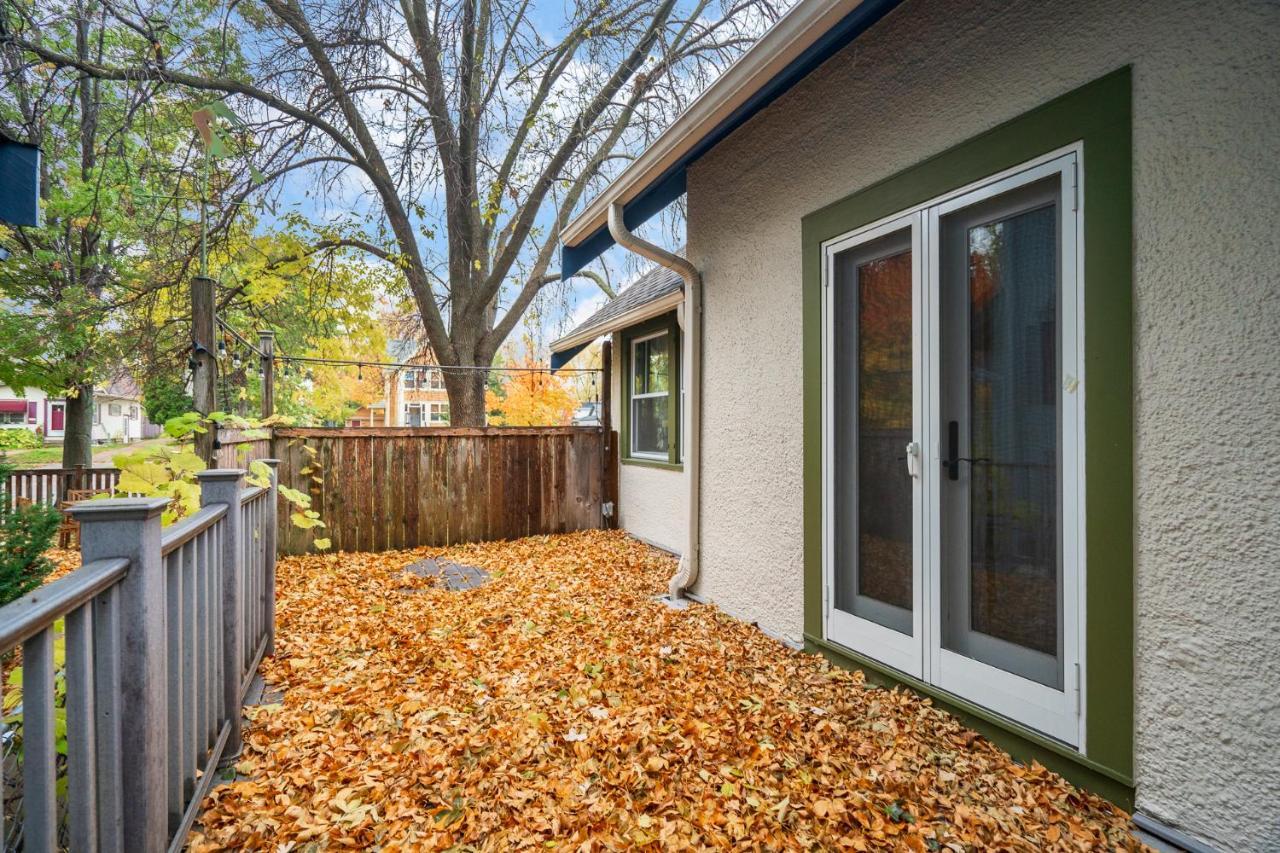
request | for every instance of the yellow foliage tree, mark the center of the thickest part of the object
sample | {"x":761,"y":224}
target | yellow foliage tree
{"x":530,"y":396}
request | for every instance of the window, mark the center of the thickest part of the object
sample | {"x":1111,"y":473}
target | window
{"x":411,"y":379}
{"x":954,"y":438}
{"x":653,"y":380}
{"x":438,"y":414}
{"x":13,"y":418}
{"x":113,"y":409}
{"x":133,"y":413}
{"x":433,"y":379}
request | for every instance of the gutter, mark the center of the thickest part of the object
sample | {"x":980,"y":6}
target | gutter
{"x":787,"y":40}
{"x":687,"y":572}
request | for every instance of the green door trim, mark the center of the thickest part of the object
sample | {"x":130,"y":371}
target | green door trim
{"x":1098,"y":115}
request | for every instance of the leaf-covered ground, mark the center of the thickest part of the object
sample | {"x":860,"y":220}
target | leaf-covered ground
{"x":560,"y":706}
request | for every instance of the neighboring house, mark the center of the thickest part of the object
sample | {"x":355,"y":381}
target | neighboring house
{"x":412,"y":396}
{"x":989,"y":375}
{"x":118,"y":416}
{"x":31,"y":408}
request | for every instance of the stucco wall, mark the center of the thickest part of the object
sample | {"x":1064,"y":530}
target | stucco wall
{"x":653,"y":503}
{"x":1207,"y":323}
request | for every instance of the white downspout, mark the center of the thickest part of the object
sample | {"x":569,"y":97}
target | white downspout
{"x":687,"y":572}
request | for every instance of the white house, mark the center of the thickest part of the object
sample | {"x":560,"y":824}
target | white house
{"x":973,"y":377}
{"x":118,"y":416}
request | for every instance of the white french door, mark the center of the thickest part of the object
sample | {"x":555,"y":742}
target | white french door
{"x":952,"y":444}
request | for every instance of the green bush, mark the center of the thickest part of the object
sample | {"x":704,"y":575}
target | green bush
{"x":25,"y":534}
{"x":14,"y":439}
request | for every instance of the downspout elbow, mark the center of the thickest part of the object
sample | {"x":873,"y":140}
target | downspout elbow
{"x":687,"y":571}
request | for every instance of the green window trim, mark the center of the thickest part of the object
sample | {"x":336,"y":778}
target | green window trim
{"x":1098,"y":115}
{"x":664,"y":323}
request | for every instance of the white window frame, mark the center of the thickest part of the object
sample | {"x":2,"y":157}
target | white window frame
{"x":437,"y":414}
{"x":434,"y":379}
{"x":1059,"y":714}
{"x":656,"y":456}
{"x":422,"y":412}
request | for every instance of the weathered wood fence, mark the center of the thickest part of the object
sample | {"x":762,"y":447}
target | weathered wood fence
{"x":384,"y":488}
{"x":163,"y":633}
{"x":236,"y":449}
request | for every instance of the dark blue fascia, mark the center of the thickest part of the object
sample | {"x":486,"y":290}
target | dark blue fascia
{"x":560,"y":359}
{"x":671,"y":184}
{"x":19,"y":183}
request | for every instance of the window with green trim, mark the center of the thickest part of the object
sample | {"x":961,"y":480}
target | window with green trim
{"x":652,"y":392}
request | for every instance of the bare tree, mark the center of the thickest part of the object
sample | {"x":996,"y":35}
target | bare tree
{"x":459,"y":136}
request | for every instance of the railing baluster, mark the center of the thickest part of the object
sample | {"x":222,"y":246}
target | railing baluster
{"x":82,"y":770}
{"x":201,"y":584}
{"x":173,"y":685}
{"x":106,"y":686}
{"x":189,"y":759}
{"x":39,"y":752}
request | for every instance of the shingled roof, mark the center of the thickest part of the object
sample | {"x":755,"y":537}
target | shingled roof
{"x":655,"y":289}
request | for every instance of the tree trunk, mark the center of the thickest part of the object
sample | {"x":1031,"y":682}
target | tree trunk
{"x":466,"y":397}
{"x":77,"y":440}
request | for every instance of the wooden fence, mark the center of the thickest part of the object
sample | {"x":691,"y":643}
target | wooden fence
{"x":385,"y":488}
{"x":236,"y":450}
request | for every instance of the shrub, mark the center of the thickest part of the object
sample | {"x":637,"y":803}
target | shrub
{"x":13,"y":439}
{"x":25,"y":534}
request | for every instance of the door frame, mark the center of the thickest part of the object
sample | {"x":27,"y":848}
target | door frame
{"x":49,"y":431}
{"x":896,"y":649}
{"x":1058,"y":714}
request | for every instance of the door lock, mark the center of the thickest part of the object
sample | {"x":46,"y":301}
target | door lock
{"x":913,"y":459}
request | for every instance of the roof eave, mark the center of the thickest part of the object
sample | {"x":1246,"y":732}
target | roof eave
{"x":639,"y":314}
{"x":794,"y":33}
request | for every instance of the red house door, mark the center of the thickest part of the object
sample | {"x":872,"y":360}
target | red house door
{"x":57,"y":414}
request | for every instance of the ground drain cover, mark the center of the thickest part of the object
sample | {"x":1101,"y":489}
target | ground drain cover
{"x":454,"y":575}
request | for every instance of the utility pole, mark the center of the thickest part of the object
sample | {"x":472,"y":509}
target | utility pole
{"x":267,"y":345}
{"x":203,"y":363}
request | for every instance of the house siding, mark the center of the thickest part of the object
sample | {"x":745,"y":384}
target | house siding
{"x":1206,"y":111}
{"x":653,"y":503}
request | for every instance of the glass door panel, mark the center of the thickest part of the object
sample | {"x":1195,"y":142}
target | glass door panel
{"x":1002,"y":590}
{"x":873,"y":310}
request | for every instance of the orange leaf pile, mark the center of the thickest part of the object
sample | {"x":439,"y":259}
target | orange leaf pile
{"x":559,"y":705}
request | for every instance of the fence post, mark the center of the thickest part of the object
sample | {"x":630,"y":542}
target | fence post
{"x":130,"y":528}
{"x":223,"y":486}
{"x":270,"y":533}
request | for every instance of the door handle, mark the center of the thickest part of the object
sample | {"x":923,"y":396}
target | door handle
{"x":913,"y":459}
{"x":953,"y":460}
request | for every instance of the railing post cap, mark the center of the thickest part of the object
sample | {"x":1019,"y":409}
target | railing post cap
{"x":118,"y":509}
{"x":266,"y":333}
{"x":220,"y":475}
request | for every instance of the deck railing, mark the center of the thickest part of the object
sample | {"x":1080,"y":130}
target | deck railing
{"x":163,"y":631}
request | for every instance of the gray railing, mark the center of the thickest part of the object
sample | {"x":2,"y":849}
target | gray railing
{"x":163,"y":632}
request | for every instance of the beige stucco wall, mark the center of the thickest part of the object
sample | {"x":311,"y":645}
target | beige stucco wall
{"x":1207,"y":333}
{"x":653,"y":503}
